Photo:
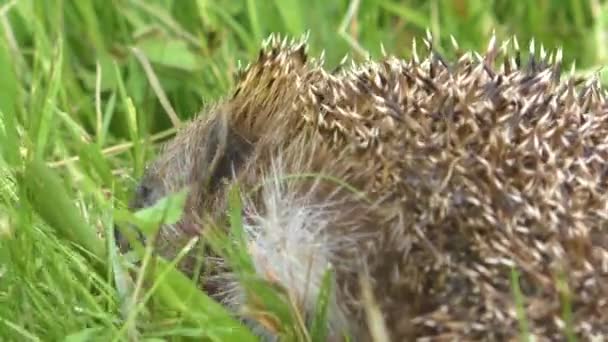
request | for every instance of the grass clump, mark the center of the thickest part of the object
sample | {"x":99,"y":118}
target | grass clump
{"x":90,"y":88}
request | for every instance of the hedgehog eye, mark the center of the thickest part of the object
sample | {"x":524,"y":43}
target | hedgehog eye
{"x":143,"y":196}
{"x":143,"y":191}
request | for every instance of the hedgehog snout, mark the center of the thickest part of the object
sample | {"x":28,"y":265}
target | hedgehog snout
{"x":146,"y":193}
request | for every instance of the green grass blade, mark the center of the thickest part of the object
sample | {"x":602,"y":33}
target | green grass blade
{"x":319,"y":325}
{"x":520,"y":306}
{"x":47,"y":195}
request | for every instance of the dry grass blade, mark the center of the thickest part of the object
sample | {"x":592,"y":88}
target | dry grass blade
{"x":156,"y":86}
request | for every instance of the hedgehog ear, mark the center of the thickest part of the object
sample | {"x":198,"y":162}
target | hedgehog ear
{"x":224,"y":151}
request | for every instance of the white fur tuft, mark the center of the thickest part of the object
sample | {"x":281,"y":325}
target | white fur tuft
{"x":288,"y":243}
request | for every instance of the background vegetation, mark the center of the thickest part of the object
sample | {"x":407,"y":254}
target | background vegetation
{"x":91,"y":87}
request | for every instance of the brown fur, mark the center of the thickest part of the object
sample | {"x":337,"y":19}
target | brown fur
{"x":467,"y":169}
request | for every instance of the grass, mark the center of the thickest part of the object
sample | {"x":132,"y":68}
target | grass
{"x":90,"y":88}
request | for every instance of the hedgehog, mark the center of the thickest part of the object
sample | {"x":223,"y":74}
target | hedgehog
{"x":447,"y":197}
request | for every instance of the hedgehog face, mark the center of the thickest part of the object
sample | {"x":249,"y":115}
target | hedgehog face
{"x":201,"y":157}
{"x":147,"y":192}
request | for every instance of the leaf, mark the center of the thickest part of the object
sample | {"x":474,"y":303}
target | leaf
{"x":83,"y":335}
{"x":179,"y":292}
{"x":8,"y":93}
{"x":92,"y":159}
{"x":290,"y":11}
{"x":168,"y":210}
{"x":8,"y":138}
{"x":8,"y":81}
{"x":47,"y":194}
{"x":319,"y":325}
{"x":413,"y":16}
{"x":108,"y":75}
{"x":170,"y":53}
{"x":236,"y":214}
{"x":520,"y":307}
{"x":46,"y":123}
